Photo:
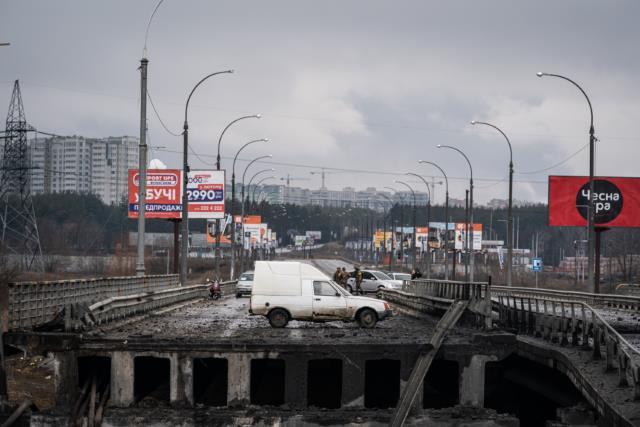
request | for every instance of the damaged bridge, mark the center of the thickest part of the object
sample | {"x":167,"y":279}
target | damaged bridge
{"x":161,"y":353}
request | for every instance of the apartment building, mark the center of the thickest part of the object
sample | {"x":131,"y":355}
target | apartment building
{"x":83,"y":165}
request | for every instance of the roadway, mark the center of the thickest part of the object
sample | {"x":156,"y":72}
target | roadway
{"x":228,"y":320}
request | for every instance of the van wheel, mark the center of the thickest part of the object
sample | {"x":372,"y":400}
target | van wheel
{"x":278,"y":318}
{"x":238,"y":295}
{"x":367,"y":318}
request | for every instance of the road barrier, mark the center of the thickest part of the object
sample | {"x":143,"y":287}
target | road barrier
{"x":571,"y":322}
{"x":32,"y":304}
{"x":116,"y":308}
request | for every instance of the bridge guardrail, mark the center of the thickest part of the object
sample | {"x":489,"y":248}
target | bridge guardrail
{"x":115,"y":308}
{"x":624,"y":302}
{"x":35,"y":303}
{"x":571,"y":322}
{"x":422,"y":293}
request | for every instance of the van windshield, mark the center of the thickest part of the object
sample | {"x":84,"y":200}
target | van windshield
{"x":341,"y":289}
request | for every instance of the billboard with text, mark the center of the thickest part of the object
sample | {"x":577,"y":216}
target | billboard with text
{"x":616,"y":201}
{"x":163,"y":190}
{"x":205,"y":190}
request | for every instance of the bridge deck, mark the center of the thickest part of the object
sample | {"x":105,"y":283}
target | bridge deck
{"x":228,"y":320}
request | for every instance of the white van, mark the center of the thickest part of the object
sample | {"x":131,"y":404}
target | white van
{"x":288,"y":290}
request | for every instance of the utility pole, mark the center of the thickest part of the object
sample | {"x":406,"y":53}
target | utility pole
{"x":142,"y":167}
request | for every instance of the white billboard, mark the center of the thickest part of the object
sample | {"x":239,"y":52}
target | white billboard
{"x":205,"y":190}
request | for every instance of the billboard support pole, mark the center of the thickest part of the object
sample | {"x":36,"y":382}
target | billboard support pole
{"x":599,"y":231}
{"x":176,"y":244}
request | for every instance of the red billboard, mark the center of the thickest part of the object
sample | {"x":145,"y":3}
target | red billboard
{"x":616,"y":201}
{"x":164,"y":193}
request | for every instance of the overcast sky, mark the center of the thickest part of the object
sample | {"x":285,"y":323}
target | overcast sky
{"x":366,"y":85}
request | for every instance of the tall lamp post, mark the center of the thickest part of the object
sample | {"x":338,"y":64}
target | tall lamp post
{"x":413,"y":238}
{"x":393,"y":233}
{"x":594,"y":282}
{"x":446,"y":217}
{"x":184,"y":248}
{"x":510,"y":210}
{"x":470,"y":260}
{"x":401,"y":227}
{"x":256,"y":185}
{"x":233,"y":204}
{"x":216,"y":253}
{"x":142,"y":148}
{"x":428,"y":257}
{"x":244,"y":175}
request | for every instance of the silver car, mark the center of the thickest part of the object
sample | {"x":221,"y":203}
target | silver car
{"x":373,"y":281}
{"x":245,"y":284}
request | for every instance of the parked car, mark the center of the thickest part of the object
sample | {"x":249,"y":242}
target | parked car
{"x":399,"y":277}
{"x":245,"y":284}
{"x":372,"y":281}
{"x":288,"y":290}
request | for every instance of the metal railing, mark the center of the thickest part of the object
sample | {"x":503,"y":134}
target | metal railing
{"x":449,"y":289}
{"x":623,"y":302}
{"x":116,"y":308}
{"x":571,"y":322}
{"x":34,"y":303}
{"x":423,"y":295}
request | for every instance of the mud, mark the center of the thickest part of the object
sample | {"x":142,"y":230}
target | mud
{"x":229,"y":319}
{"x":31,"y":378}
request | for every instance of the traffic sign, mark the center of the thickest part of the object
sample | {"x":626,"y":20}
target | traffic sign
{"x":536,"y":264}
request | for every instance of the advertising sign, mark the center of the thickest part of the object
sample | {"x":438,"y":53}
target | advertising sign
{"x":315,"y":235}
{"x":205,"y":191}
{"x":616,"y":201}
{"x":164,"y":195}
{"x":379,"y":239}
{"x":461,"y":235}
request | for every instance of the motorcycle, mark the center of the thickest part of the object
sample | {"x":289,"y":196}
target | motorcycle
{"x":215,"y":290}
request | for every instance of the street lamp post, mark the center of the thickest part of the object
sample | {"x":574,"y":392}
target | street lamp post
{"x":593,"y":281}
{"x":255,"y":187}
{"x":510,"y":210}
{"x":446,"y":218}
{"x":413,"y":238}
{"x":233,"y":204}
{"x":216,"y":252}
{"x":244,"y":175}
{"x":184,"y":248}
{"x":401,"y":249}
{"x":391,"y":226}
{"x":428,"y":256}
{"x":470,"y":261}
{"x":142,"y":154}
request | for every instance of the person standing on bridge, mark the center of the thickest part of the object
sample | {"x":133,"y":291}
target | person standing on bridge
{"x":337,"y":275}
{"x":344,"y":277}
{"x":359,"y":276}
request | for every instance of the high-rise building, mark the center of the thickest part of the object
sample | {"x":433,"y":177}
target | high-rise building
{"x":83,"y":165}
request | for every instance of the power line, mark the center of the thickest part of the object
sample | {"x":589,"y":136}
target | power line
{"x":556,"y":165}
{"x":359,"y":171}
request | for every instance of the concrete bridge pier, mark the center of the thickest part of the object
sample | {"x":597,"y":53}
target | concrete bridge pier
{"x":122,"y":371}
{"x":66,"y":379}
{"x":472,"y":379}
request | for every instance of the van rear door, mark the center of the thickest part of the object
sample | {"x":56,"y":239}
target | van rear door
{"x":328,"y":302}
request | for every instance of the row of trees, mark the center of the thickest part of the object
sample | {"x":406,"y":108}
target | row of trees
{"x":72,"y":223}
